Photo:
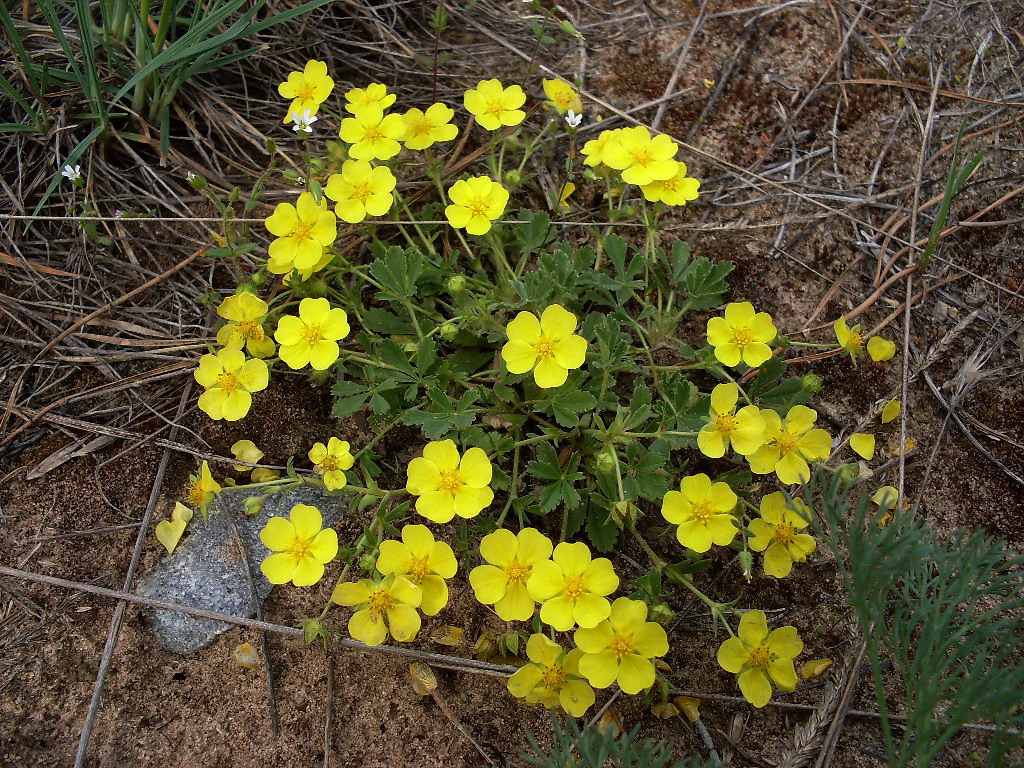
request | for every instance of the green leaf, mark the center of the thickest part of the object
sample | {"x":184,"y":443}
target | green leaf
{"x":380,"y":320}
{"x":567,"y":402}
{"x":705,"y":282}
{"x":465,"y":363}
{"x":601,"y":529}
{"x":536,"y":233}
{"x":351,"y":396}
{"x":443,"y":415}
{"x":398,"y":272}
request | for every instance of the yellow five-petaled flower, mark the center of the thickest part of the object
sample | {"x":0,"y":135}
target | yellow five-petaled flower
{"x":301,"y":547}
{"x":425,"y":128}
{"x":476,"y":203}
{"x":312,"y":337}
{"x":547,"y":346}
{"x":201,"y":489}
{"x":743,"y":429}
{"x":494,"y":105}
{"x":620,"y":648}
{"x":552,"y":677}
{"x":245,"y":314}
{"x":572,"y":588}
{"x":331,"y":461}
{"x":777,"y":533}
{"x":423,"y":561}
{"x":511,"y":559}
{"x":448,"y":484}
{"x":760,"y":657}
{"x":229,"y":379}
{"x":742,"y":335}
{"x":372,"y":134}
{"x":303,"y":232}
{"x":702,"y":510}
{"x":307,"y":89}
{"x":388,"y":604}
{"x":361,"y":190}
{"x":790,"y":444}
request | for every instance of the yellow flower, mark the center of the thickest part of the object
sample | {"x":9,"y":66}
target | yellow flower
{"x":301,"y":547}
{"x":880,"y":349}
{"x":168,"y":532}
{"x":423,"y":129}
{"x":475,"y":203}
{"x":677,"y":189}
{"x":790,"y":444}
{"x":620,"y":648}
{"x":312,"y":337}
{"x":423,"y":561}
{"x":890,"y":411}
{"x":450,"y":485}
{"x":494,"y":105}
{"x":361,"y":190}
{"x":863,"y":445}
{"x":743,"y":430}
{"x":741,"y":335}
{"x":245,"y":314}
{"x":246,"y":450}
{"x":303,"y":231}
{"x":201,"y":489}
{"x":562,"y":96}
{"x":331,"y":461}
{"x":552,"y":678}
{"x":702,"y":510}
{"x":594,"y":150}
{"x":511,"y":559}
{"x":572,"y":588}
{"x":307,"y":89}
{"x":372,"y":134}
{"x":849,"y":339}
{"x":641,"y":157}
{"x":229,"y":379}
{"x":388,"y":604}
{"x":775,"y":534}
{"x":373,"y":95}
{"x":563,"y":195}
{"x":548,"y":346}
{"x":761,"y":658}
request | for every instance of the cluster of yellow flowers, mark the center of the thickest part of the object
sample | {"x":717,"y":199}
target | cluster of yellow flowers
{"x":645,"y":160}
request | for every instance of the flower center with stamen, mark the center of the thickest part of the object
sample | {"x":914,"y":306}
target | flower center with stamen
{"x":300,"y":548}
{"x":856,"y":342}
{"x":360,"y":192}
{"x":621,"y":646}
{"x":642,"y":157}
{"x":380,"y":601}
{"x":195,"y":493}
{"x":478,"y":206}
{"x":784,"y":533}
{"x":328,"y":463}
{"x":741,"y":337}
{"x":787,"y":443}
{"x":228,"y":381}
{"x":421,"y":127}
{"x":419,"y":569}
{"x":544,"y":347}
{"x":305,"y":92}
{"x":574,"y":587}
{"x":703,"y":511}
{"x":495,"y":108}
{"x":450,"y":481}
{"x":553,"y":678}
{"x":250,"y":329}
{"x":311,"y":334}
{"x":301,"y":231}
{"x":516,"y":572}
{"x":725,"y":422}
{"x":760,"y":657}
{"x":373,"y":133}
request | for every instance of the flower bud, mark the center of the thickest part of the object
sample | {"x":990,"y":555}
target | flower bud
{"x":410,"y":347}
{"x":747,"y":564}
{"x":848,"y":473}
{"x":512,"y":178}
{"x":254,"y":505}
{"x":271,"y":147}
{"x":196,"y":181}
{"x":605,"y":461}
{"x":368,"y":562}
{"x":624,"y":513}
{"x":567,"y":27}
{"x":811,"y":383}
{"x":448,"y":331}
{"x":456,"y":283}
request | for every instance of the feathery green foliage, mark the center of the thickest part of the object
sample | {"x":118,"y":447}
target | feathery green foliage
{"x":947,"y":611}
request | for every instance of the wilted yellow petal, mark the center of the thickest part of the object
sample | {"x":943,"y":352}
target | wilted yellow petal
{"x":881,"y":349}
{"x":424,"y":682}
{"x":246,"y":656}
{"x":610,"y":722}
{"x":689,"y":706}
{"x":448,"y":635}
{"x":665,"y":710}
{"x":814,"y":668}
{"x":890,"y":411}
{"x":168,"y":533}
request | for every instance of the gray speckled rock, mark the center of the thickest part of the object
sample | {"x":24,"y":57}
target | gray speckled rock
{"x":206,"y":569}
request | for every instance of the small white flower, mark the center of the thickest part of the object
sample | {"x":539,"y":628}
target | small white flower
{"x":117,"y":213}
{"x":304,"y":121}
{"x":189,"y":176}
{"x":573,"y":119}
{"x":71,"y":174}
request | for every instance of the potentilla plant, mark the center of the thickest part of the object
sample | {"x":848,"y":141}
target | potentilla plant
{"x":559,"y":408}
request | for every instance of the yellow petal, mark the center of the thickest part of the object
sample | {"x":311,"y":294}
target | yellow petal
{"x":814,"y":668}
{"x":863,"y":444}
{"x":881,"y":349}
{"x":367,"y":627}
{"x":732,"y":655}
{"x":755,"y":687}
{"x":890,"y":411}
{"x":168,"y":533}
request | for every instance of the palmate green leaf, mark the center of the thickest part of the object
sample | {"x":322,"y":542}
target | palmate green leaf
{"x":535,"y":234}
{"x":568,"y":401}
{"x":351,"y":397}
{"x":397,"y":273}
{"x":705,"y":282}
{"x":382,"y":321}
{"x":601,"y":528}
{"x":561,"y":489}
{"x":442,"y":415}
